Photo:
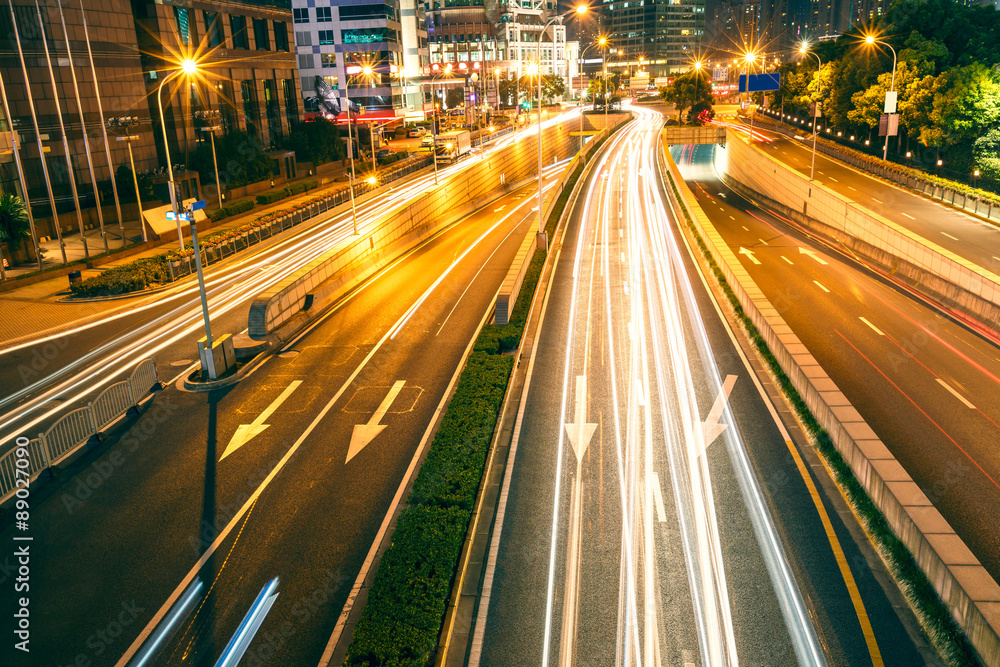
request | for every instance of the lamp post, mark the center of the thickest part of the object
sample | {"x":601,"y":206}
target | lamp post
{"x":210,"y":116}
{"x":804,"y":50}
{"x":749,"y":59}
{"x":601,"y":43}
{"x":128,"y":122}
{"x":870,"y":40}
{"x":188,"y":67}
{"x":697,"y":83}
{"x":350,"y":142}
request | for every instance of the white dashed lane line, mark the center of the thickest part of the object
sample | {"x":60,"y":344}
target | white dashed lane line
{"x":956,"y":394}
{"x":907,"y":215}
{"x":874,"y":328}
{"x":953,"y":238}
{"x":820,"y":285}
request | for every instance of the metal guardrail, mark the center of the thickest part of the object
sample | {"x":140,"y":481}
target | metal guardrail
{"x":984,"y":208}
{"x":74,"y":429}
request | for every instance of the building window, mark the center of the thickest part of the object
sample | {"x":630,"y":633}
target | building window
{"x":183,"y":25}
{"x":326,"y":37}
{"x":238,"y":24}
{"x":306,"y":61}
{"x":261,"y":38}
{"x":329,"y":59}
{"x":280,"y":36}
{"x":332,"y":81}
{"x":303,"y":39}
{"x":227,"y":105}
{"x":272,"y":110}
{"x":364,"y":35}
{"x":291,"y":101}
{"x":301,"y":14}
{"x":213,"y":27}
{"x":248,"y":90}
{"x":324,"y":15}
{"x":361,"y":12}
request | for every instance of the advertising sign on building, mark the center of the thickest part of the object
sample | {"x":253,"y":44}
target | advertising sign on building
{"x":720,"y":74}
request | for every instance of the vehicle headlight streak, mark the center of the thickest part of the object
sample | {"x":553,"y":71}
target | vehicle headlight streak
{"x":90,"y":373}
{"x":797,"y":620}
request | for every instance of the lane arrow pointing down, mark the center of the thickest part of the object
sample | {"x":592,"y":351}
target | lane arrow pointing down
{"x":365,"y":433}
{"x":579,"y":432}
{"x":711,"y":428}
{"x":247,"y":432}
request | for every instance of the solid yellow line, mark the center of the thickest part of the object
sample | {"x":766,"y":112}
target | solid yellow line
{"x":838,"y":553}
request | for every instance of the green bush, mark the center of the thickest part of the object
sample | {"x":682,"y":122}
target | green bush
{"x":131,"y":277}
{"x":231,"y":209}
{"x":395,"y":157}
{"x":266,"y":198}
{"x":302,"y":186}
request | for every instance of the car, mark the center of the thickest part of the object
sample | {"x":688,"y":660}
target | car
{"x":416,"y":132}
{"x":428,"y":140}
{"x":385,"y":152}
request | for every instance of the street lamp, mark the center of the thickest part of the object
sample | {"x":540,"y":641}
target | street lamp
{"x":580,"y":10}
{"x":350,"y":140}
{"x":749,"y":59}
{"x":189,"y":68}
{"x":870,"y":40}
{"x":804,"y":50}
{"x":129,"y":122}
{"x":601,"y":43}
{"x":211,"y":116}
{"x":697,"y":82}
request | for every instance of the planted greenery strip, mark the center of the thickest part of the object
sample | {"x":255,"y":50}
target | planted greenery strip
{"x":944,"y":632}
{"x":402,"y":619}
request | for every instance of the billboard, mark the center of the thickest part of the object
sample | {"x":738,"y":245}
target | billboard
{"x":760,"y":82}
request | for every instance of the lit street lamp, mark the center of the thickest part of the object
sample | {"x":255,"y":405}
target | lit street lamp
{"x":188,"y":67}
{"x":804,"y":50}
{"x":601,"y":43}
{"x":870,"y":40}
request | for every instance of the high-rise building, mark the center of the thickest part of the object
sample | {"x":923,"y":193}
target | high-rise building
{"x":336,"y":40}
{"x":660,"y":37}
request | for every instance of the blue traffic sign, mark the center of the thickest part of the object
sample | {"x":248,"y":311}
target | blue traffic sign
{"x":197,"y":205}
{"x":761,"y":82}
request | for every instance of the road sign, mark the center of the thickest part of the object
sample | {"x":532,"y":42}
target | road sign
{"x":197,"y":205}
{"x":890,"y":102}
{"x":888,"y":125}
{"x":761,"y":82}
{"x":815,"y":110}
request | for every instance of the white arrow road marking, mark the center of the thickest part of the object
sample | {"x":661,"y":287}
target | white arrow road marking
{"x":365,"y":433}
{"x":812,"y":253}
{"x":580,"y":433}
{"x":749,"y":253}
{"x":956,"y":394}
{"x":247,"y":432}
{"x":711,"y":428}
{"x":661,"y":513}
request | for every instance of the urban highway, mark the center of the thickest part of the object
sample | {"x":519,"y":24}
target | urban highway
{"x":962,"y":233}
{"x":929,"y":387}
{"x":655,"y":510}
{"x":291,"y":474}
{"x":40,"y":377}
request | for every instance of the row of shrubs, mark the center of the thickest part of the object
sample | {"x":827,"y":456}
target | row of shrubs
{"x":134,"y":276}
{"x":263,"y":199}
{"x":141,"y":274}
{"x":872,"y":161}
{"x":402,"y":619}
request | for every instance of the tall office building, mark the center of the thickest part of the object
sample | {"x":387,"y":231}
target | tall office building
{"x":336,"y":39}
{"x":660,"y":37}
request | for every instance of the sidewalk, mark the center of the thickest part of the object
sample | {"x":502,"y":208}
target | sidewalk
{"x":33,"y":310}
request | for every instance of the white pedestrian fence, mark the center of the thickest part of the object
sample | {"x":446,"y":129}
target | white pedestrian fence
{"x":74,"y":429}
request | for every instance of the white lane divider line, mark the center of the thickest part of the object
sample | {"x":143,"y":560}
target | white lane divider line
{"x":661,"y":513}
{"x":762,"y":241}
{"x":832,"y":179}
{"x":788,"y":260}
{"x":821,"y":286}
{"x":246,"y":432}
{"x":878,"y":200}
{"x":733,"y":218}
{"x":850,"y":188}
{"x":956,"y":394}
{"x":874,"y":328}
{"x":744,"y":226}
{"x":907,"y":215}
{"x":953,"y":238}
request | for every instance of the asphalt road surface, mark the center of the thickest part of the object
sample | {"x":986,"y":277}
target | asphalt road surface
{"x":648,"y":519}
{"x":266,"y":479}
{"x":965,"y":235}
{"x":39,"y":379}
{"x":929,"y":387}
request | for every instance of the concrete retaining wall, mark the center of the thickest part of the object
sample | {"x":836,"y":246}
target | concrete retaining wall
{"x":929,"y":268}
{"x":455,"y":197}
{"x":970,"y":593}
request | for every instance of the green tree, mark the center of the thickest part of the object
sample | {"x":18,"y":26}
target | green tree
{"x":241,"y":156}
{"x":14,"y":224}
{"x":317,"y":141}
{"x":986,"y":152}
{"x":969,"y":104}
{"x":553,"y":86}
{"x":693,"y":89}
{"x":126,"y":185}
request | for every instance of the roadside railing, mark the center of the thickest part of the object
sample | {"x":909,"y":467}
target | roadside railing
{"x":888,"y":171}
{"x":75,"y":429}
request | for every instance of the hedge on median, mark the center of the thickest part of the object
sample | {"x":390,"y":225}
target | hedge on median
{"x":131,"y":277}
{"x":231,"y":209}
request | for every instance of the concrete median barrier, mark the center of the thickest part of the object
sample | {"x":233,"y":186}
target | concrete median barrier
{"x":969,"y":592}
